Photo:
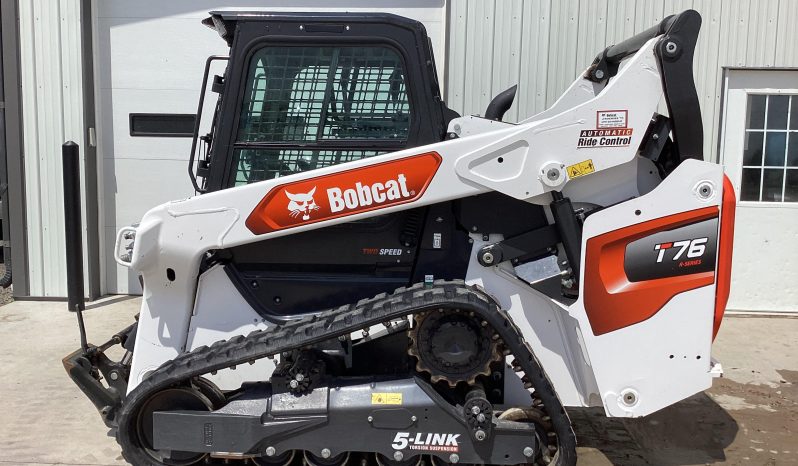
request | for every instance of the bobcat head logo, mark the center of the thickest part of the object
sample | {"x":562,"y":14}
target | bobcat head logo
{"x":301,"y":204}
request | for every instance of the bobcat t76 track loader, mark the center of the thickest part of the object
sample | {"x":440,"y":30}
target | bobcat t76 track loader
{"x":368,"y":278}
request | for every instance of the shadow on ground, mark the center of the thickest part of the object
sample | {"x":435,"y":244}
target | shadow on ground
{"x":694,"y":431}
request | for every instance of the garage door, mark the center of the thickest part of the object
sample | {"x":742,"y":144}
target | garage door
{"x":150,"y":57}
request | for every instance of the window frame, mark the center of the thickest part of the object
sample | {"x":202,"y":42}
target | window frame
{"x":792,"y":95}
{"x":381,"y":145}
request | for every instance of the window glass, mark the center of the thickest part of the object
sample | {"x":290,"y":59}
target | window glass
{"x":756,"y":111}
{"x":298,"y":97}
{"x":791,"y":186}
{"x":777,"y":111}
{"x":752,"y":154}
{"x":770,"y":154}
{"x":265,"y":164}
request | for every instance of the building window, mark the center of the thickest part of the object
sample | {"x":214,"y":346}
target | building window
{"x":770,"y":155}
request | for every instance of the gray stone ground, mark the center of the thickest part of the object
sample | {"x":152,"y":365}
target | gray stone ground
{"x":748,"y":417}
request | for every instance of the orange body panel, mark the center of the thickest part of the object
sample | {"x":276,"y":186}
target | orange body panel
{"x":344,"y":193}
{"x":613,"y":302}
{"x":725,"y":248}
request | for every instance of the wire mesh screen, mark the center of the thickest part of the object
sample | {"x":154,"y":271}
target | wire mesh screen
{"x":265,"y":164}
{"x":308,"y":95}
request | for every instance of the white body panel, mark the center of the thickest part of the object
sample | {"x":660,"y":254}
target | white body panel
{"x":180,"y":312}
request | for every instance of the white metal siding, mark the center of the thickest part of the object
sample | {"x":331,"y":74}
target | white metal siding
{"x":542,"y":45}
{"x":52,"y":107}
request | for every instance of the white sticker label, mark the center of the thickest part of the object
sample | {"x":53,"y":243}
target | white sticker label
{"x":611,"y":119}
{"x":436,"y":241}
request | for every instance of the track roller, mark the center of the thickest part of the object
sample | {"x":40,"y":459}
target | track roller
{"x":340,"y":459}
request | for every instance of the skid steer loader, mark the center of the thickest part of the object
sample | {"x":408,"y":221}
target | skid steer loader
{"x":368,"y":278}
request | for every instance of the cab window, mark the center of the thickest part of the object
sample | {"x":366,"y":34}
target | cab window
{"x":310,"y":107}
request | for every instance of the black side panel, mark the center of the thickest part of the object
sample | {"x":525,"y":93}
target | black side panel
{"x":444,"y":246}
{"x":319,"y":269}
{"x":315,"y":270}
{"x":498,"y":213}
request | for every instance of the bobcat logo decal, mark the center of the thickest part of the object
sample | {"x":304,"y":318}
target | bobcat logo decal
{"x":342,"y":193}
{"x":301,"y":204}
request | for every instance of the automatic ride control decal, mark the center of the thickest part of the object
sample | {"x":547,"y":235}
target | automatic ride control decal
{"x":611,"y":131}
{"x":344,"y":193}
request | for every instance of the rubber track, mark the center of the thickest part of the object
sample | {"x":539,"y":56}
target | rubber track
{"x":343,"y":321}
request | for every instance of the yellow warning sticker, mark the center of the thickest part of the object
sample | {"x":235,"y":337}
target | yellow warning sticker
{"x":581,"y":169}
{"x":386,"y":398}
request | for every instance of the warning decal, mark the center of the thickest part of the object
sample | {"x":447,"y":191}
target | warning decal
{"x":580,"y":169}
{"x":611,"y":119}
{"x":611,"y":131}
{"x":386,"y":398}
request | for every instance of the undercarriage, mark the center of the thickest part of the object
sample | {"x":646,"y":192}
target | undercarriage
{"x":354,"y":384}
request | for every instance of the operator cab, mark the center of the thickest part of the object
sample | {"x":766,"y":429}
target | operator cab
{"x":304,"y":90}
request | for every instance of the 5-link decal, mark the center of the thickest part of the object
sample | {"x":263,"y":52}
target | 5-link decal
{"x":426,"y":442}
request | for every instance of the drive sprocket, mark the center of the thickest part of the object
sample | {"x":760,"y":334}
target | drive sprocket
{"x":453,"y":346}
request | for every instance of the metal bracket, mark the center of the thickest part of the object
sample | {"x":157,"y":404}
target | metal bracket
{"x":529,"y":245}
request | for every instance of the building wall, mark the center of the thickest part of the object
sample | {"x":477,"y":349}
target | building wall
{"x":52,"y":107}
{"x":543,"y":45}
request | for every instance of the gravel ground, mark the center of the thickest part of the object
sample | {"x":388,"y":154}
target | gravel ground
{"x":749,"y":417}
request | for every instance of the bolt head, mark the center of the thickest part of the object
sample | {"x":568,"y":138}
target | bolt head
{"x":480,"y":435}
{"x":475,"y":410}
{"x":326,"y":453}
{"x":398,"y":455}
{"x":413,"y":419}
{"x":114,"y":375}
{"x":454,"y":458}
{"x":552,"y":174}
{"x":270,"y":451}
{"x":629,"y":398}
{"x":480,"y":417}
{"x":599,"y":74}
{"x":671,"y":47}
{"x":529,"y":451}
{"x":293,"y":384}
{"x":488,"y":259}
{"x":371,"y":418}
{"x":299,"y":377}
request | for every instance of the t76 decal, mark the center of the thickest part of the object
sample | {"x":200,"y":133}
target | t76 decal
{"x":680,"y":251}
{"x":344,"y":193}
